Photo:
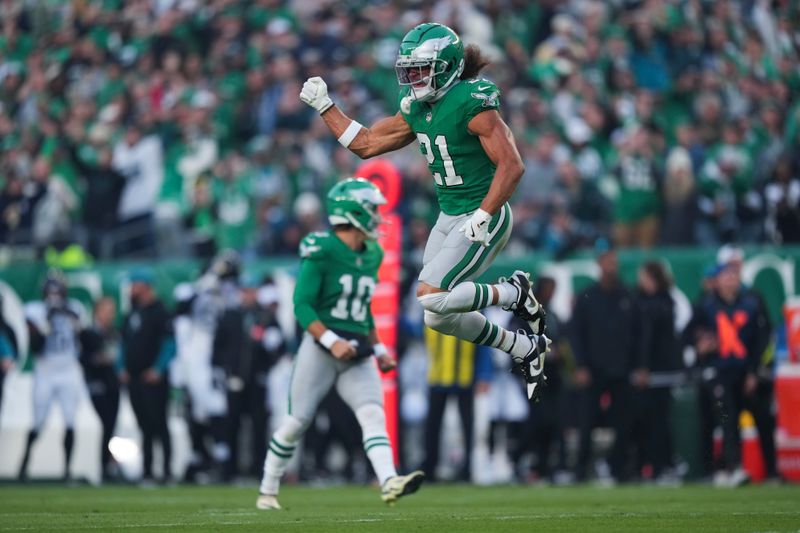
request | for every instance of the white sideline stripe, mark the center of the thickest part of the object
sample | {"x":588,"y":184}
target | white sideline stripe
{"x":789,"y":370}
{"x":292,"y":520}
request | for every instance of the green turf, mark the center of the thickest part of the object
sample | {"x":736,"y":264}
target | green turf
{"x":441,"y":508}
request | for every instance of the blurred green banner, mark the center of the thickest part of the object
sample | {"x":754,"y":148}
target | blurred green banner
{"x":772,"y":270}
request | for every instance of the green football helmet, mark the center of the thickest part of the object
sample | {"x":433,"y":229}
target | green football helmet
{"x":355,"y":201}
{"x":430,"y":60}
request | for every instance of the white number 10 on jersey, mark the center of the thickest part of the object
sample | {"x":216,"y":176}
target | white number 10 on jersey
{"x":360,"y":303}
{"x":450,"y":176}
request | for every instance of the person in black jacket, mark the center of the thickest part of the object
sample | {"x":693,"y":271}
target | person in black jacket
{"x":247,"y":342}
{"x":730,"y":331}
{"x":98,"y":357}
{"x":103,"y":190}
{"x":147,"y":347}
{"x":18,"y":201}
{"x":658,"y":351}
{"x":603,"y":342}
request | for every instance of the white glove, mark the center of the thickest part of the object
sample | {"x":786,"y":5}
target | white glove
{"x":476,"y":228}
{"x":315,"y":94}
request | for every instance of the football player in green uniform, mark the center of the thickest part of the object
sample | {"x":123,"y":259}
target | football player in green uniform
{"x":476,"y":167}
{"x":338,"y":275}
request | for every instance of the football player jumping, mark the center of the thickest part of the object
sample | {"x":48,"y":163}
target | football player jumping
{"x":337,"y":278}
{"x":476,"y":167}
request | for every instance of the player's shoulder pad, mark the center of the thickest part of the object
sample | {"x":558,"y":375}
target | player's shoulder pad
{"x":405,"y":104}
{"x":315,"y":245}
{"x":481,"y":93}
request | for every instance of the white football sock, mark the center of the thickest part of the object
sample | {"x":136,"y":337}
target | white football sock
{"x":465,"y":325}
{"x":376,"y":441}
{"x":281,"y":449}
{"x":508,"y":293}
{"x":470,"y":296}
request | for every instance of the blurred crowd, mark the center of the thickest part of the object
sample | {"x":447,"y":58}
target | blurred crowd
{"x":221,"y":361}
{"x":136,"y":128}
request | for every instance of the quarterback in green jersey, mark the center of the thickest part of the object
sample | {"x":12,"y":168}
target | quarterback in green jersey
{"x":453,"y":115}
{"x":338,"y":275}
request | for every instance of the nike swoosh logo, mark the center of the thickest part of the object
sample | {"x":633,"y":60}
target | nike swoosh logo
{"x":536,"y":369}
{"x":483,"y":88}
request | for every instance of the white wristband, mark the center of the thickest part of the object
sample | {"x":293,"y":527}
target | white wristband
{"x":328,"y":339}
{"x":379,"y":349}
{"x":350,"y":133}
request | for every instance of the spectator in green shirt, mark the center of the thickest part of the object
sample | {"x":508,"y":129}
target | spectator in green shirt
{"x":636,"y":209}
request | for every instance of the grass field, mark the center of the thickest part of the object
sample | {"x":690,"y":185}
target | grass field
{"x":440,"y":508}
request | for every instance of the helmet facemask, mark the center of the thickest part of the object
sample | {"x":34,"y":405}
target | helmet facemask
{"x":430,"y":67}
{"x":420,"y":75}
{"x":367,"y":220}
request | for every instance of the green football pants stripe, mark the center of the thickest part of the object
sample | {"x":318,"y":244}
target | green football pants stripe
{"x":504,"y":220}
{"x":472,"y":261}
{"x":447,"y":281}
{"x":379,"y":437}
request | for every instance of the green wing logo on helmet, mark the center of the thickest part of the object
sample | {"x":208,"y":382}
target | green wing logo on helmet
{"x":355,"y":202}
{"x":429,"y":62}
{"x":434,"y":45}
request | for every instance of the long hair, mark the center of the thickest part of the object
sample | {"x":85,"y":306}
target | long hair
{"x":658,"y":271}
{"x":474,"y":61}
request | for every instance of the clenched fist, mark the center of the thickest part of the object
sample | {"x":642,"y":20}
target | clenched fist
{"x":315,"y":94}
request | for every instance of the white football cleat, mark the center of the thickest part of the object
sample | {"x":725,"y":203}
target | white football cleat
{"x":398,"y":486}
{"x":738,"y":478}
{"x":266,"y":502}
{"x":532,"y":365}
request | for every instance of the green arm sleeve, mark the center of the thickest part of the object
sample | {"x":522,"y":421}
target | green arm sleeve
{"x":306,"y":292}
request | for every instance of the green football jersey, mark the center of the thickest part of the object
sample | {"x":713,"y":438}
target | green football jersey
{"x":335,"y":284}
{"x":461,"y":170}
{"x":638,"y":190}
